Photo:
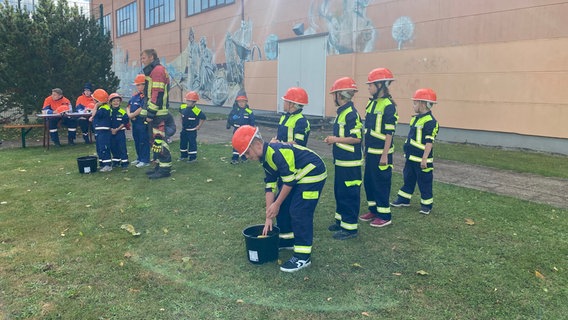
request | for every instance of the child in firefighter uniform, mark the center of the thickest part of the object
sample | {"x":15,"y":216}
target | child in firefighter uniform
{"x":118,"y":125}
{"x":419,"y":165}
{"x":85,"y":104}
{"x":101,"y":120}
{"x":240,"y":115}
{"x":293,"y":126}
{"x":137,"y":114}
{"x":380,"y":124}
{"x":303,"y":174}
{"x":56,"y":103}
{"x":348,"y":159}
{"x":192,"y":118}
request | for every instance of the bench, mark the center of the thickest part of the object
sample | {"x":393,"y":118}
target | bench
{"x":25,"y":129}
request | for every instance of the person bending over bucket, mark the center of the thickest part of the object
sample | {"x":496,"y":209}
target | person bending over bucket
{"x":303,"y":175}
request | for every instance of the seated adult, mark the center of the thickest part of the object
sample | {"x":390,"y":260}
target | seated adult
{"x":56,"y":103}
{"x":85,"y":104}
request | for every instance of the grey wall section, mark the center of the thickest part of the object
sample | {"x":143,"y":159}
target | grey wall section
{"x":496,"y":139}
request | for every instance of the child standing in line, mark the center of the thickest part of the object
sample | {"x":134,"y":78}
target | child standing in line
{"x":119,"y":121}
{"x":240,"y":115}
{"x":380,"y":124}
{"x":293,"y":127}
{"x":101,"y":122}
{"x":419,"y":165}
{"x":192,"y":118}
{"x":347,"y":158}
{"x":137,"y":115}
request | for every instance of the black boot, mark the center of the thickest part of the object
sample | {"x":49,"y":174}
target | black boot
{"x":160,"y":173}
{"x":153,"y":170}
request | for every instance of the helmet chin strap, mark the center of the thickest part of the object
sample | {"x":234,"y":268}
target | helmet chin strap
{"x":335,"y":99}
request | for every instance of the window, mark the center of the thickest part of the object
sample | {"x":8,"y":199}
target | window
{"x":197,"y":6}
{"x":159,"y":11}
{"x":106,"y":24}
{"x":127,"y":20}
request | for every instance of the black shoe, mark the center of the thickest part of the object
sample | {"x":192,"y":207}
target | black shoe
{"x":295,"y":264}
{"x":153,"y":170}
{"x":160,"y":174}
{"x":334,"y":227}
{"x":344,"y":235}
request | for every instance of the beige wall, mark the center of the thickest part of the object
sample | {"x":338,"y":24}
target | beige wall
{"x":497,"y":65}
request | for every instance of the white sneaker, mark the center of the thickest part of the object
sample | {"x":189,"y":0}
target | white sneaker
{"x":135,"y":162}
{"x":142,"y":164}
{"x":106,"y":169}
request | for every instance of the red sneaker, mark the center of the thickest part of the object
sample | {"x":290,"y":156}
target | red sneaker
{"x":378,"y":222}
{"x":369,"y":216}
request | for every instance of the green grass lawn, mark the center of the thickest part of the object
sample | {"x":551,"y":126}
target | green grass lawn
{"x":63,"y":254}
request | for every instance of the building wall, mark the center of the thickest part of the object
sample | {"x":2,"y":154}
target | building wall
{"x":497,"y":66}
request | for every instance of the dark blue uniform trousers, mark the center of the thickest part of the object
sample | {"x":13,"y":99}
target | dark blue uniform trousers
{"x":347,"y":197}
{"x":298,"y":217}
{"x":188,"y":144}
{"x":377,"y":182}
{"x":118,"y":149}
{"x":413,"y":174}
{"x":103,"y":147}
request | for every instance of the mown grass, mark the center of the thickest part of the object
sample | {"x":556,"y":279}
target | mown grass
{"x":63,"y":254}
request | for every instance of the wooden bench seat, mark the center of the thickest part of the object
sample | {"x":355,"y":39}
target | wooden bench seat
{"x":25,"y":129}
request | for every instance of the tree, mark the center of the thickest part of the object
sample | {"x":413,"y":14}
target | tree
{"x":54,"y":46}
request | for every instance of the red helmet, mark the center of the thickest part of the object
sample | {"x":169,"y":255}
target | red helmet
{"x":296,"y":95}
{"x":343,"y":84}
{"x":380,"y":74}
{"x":242,"y":138}
{"x":140,"y":79}
{"x":192,"y":96}
{"x":241,"y":98}
{"x":114,"y":96}
{"x":425,"y":94}
{"x":100,"y":95}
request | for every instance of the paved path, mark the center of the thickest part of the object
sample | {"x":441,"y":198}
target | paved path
{"x":531,"y":187}
{"x":523,"y":186}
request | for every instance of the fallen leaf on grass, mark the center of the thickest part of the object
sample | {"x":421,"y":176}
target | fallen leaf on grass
{"x":357,"y":266}
{"x":130,"y":229}
{"x":329,"y":298}
{"x":209,"y":180}
{"x":469,"y":222}
{"x":422,"y":272}
{"x":538,"y":275}
{"x":185,"y":259}
{"x":165,"y":230}
{"x":87,"y":205}
{"x":306,"y":278}
{"x":366,"y":314}
{"x":127,"y":255}
{"x":4,"y":202}
{"x":132,"y":290}
{"x":22,"y":170}
{"x":127,"y":179}
{"x":397,"y":274}
{"x":240,"y":301}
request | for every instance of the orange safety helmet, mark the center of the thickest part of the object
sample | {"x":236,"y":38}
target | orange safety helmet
{"x":296,"y":95}
{"x":114,"y":96}
{"x":343,"y":84}
{"x":241,"y":98}
{"x":380,"y":74}
{"x":242,"y":138}
{"x":140,"y":79}
{"x":192,"y":96}
{"x":425,"y":94}
{"x":100,"y":95}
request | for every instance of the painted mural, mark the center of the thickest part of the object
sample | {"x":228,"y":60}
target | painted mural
{"x":217,"y":82}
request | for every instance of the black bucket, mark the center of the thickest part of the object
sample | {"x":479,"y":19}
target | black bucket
{"x":261,"y":249}
{"x":87,"y":164}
